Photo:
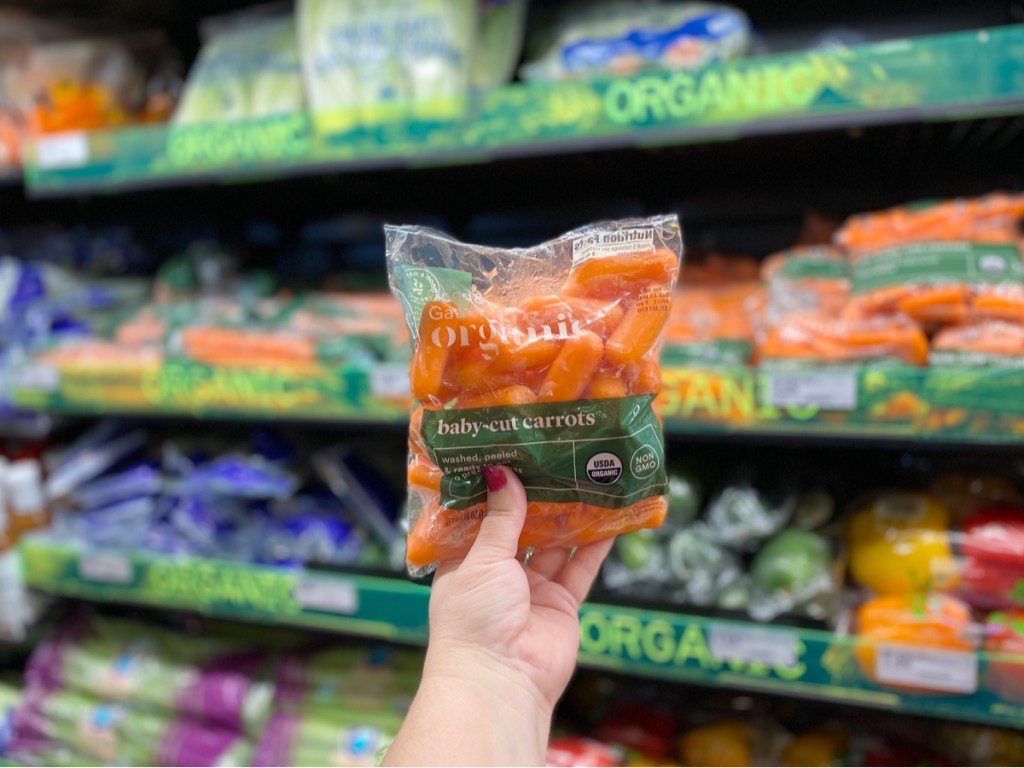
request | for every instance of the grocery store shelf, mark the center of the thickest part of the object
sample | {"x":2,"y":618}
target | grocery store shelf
{"x":786,"y":660}
{"x":904,"y":404}
{"x":351,"y":393}
{"x":940,"y":77}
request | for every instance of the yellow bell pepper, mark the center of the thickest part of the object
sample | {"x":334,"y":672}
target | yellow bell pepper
{"x":821,"y":747}
{"x":727,"y":743}
{"x":900,"y":543}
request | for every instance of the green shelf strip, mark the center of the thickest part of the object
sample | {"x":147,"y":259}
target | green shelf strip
{"x":658,"y":644}
{"x":948,"y":404}
{"x":934,"y":77}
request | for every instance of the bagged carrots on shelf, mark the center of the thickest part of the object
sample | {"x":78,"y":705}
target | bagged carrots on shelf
{"x":814,"y":337}
{"x":544,"y":359}
{"x":985,"y":343}
{"x":806,"y":279}
{"x":714,"y":325}
{"x":940,"y":264}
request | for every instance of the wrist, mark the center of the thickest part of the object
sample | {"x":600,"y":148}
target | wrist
{"x":499,"y":700}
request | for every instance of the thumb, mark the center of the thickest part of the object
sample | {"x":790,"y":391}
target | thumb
{"x":498,"y":538}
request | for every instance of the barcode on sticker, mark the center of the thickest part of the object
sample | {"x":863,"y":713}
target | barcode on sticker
{"x":35,"y":377}
{"x":828,"y":391}
{"x":65,"y":150}
{"x":753,"y":646}
{"x":390,"y":381}
{"x":329,"y":595}
{"x":951,"y":671}
{"x":106,"y":568}
{"x":612,"y":243}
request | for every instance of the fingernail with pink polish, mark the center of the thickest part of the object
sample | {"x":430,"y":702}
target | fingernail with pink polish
{"x":495,"y":478}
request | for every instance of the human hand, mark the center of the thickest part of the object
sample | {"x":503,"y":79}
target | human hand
{"x":518,"y":620}
{"x":503,"y":643}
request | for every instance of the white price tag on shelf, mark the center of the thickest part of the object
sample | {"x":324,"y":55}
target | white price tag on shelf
{"x":390,"y":380}
{"x":35,"y":377}
{"x":832,"y":391}
{"x":753,"y":646}
{"x":62,"y":150}
{"x":105,"y":567}
{"x":951,"y":671}
{"x":322,"y":593}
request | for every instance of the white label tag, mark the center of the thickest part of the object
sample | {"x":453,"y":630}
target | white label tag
{"x":753,"y":646}
{"x":105,"y":567}
{"x":613,"y":243}
{"x":35,"y":377}
{"x":390,"y":380}
{"x":63,"y":150}
{"x":332,"y":595}
{"x":828,"y":391}
{"x":952,"y":671}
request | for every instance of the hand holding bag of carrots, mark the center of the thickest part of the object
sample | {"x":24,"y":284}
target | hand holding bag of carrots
{"x":543,"y":359}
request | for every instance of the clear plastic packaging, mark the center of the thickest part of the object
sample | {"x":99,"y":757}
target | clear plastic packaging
{"x":544,"y":359}
{"x":621,"y":39}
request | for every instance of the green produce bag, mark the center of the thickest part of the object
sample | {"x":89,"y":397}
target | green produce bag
{"x":367,"y":62}
{"x":249,"y":70}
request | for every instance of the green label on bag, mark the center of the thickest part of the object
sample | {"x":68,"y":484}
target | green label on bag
{"x":938,"y":263}
{"x":609,"y":453}
{"x":417,"y":285}
{"x":971,"y":359}
{"x":811,"y":266}
{"x":717,"y":352}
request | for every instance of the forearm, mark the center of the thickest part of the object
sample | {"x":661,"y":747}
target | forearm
{"x":462,"y":719}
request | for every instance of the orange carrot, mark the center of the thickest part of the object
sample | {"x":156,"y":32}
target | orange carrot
{"x":639,"y":330}
{"x":571,"y":371}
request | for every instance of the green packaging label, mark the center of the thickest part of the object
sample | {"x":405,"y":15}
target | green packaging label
{"x":937,"y":263}
{"x":811,"y":266}
{"x":417,"y":285}
{"x":971,"y":359}
{"x":718,"y":352}
{"x":610,"y":453}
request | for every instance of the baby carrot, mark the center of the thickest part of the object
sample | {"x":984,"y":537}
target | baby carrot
{"x":571,"y":371}
{"x":645,"y":376}
{"x":424,"y":473}
{"x":514,"y":395}
{"x":640,"y":328}
{"x":426,"y":372}
{"x":612,"y":277}
{"x":606,"y":384}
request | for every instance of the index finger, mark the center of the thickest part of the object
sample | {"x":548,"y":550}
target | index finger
{"x":580,"y":572}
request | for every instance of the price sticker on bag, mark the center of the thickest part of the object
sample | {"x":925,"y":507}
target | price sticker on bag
{"x":753,"y":646}
{"x":35,"y":377}
{"x":330,"y":595}
{"x":105,"y":568}
{"x":936,"y":670}
{"x":62,"y":150}
{"x":827,"y":391}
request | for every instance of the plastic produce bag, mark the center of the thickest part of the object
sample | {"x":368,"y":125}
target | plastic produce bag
{"x":115,"y":734}
{"x":142,"y":665}
{"x":988,"y":343}
{"x":814,"y":338}
{"x":701,"y":567}
{"x":806,"y":279}
{"x":248,"y":69}
{"x":498,"y":43}
{"x":544,"y":359}
{"x":792,"y":571}
{"x":741,"y":515}
{"x":370,"y":61}
{"x":940,"y":263}
{"x":621,"y":39}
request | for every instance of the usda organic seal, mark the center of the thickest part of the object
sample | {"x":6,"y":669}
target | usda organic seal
{"x":604,"y":468}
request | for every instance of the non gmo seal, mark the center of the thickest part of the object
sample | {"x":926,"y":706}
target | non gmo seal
{"x":604,"y":468}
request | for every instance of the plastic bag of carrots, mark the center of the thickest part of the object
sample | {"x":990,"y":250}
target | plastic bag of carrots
{"x":820,"y":339}
{"x":808,"y":278}
{"x":543,"y":359}
{"x":986,"y":343}
{"x":939,"y":263}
